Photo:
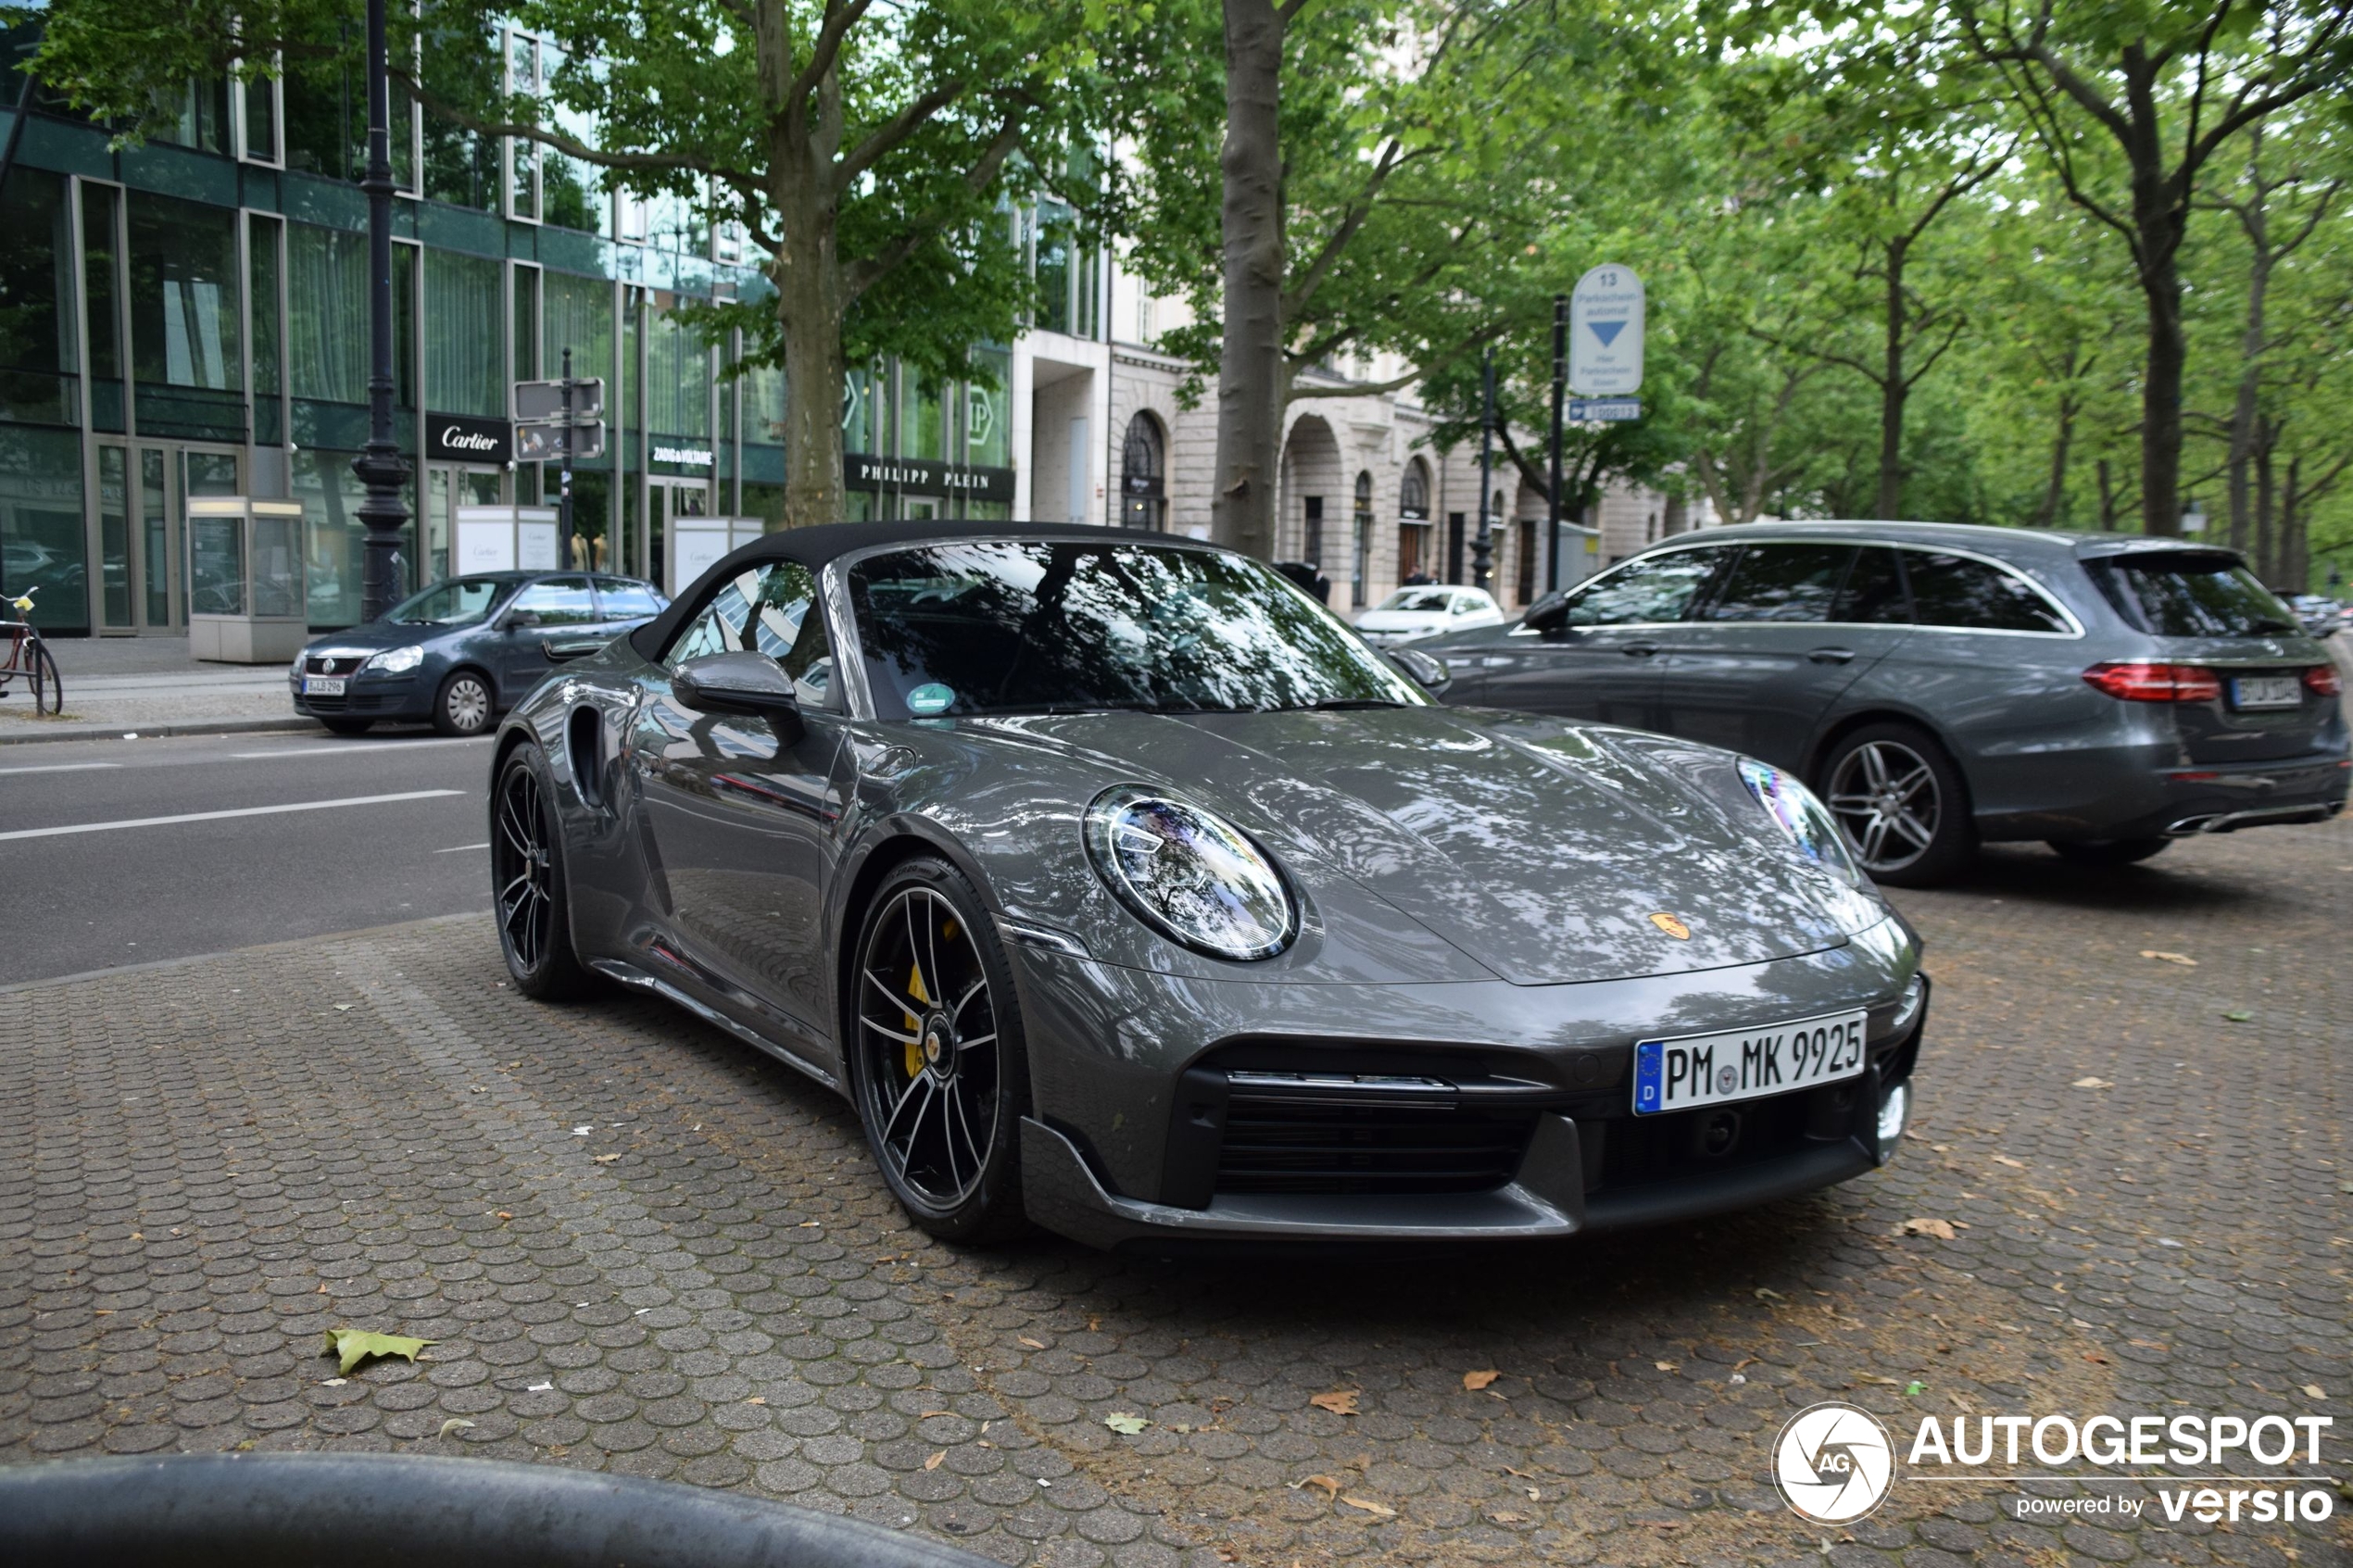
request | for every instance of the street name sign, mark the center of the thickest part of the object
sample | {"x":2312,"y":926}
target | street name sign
{"x":1608,"y":411}
{"x":542,"y":402}
{"x":1605,"y":334}
{"x":545,"y":444}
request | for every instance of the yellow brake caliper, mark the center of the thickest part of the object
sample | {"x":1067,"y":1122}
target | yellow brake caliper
{"x":915,"y":988}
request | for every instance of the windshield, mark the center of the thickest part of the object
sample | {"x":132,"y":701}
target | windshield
{"x":1418,"y":599}
{"x":461,"y":601}
{"x":2192,"y":596}
{"x":1014,"y":626}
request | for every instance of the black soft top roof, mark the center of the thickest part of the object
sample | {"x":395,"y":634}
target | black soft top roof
{"x":816,"y":546}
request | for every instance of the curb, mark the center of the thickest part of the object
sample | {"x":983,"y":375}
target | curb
{"x":145,"y":732}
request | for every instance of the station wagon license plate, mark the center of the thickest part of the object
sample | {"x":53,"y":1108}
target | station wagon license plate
{"x":2267,"y":691}
{"x":322,"y":685}
{"x":1747,"y":1063}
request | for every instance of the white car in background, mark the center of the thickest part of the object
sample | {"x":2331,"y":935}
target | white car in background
{"x":1423,"y":612}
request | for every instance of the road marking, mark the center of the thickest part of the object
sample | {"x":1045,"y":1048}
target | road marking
{"x":456,"y":849}
{"x":61,"y":768}
{"x":218,"y":816}
{"x":364,"y":746}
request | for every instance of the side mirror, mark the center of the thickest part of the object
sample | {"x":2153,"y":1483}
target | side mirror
{"x":740,"y":682}
{"x":1428,"y":672}
{"x":1548,"y":614}
{"x":519,"y":619}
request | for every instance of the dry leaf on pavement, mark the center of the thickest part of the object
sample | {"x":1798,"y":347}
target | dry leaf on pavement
{"x":2313,"y":1389}
{"x":2092,"y":1084}
{"x":1123,"y":1424}
{"x":934,"y":1463}
{"x":2183,"y":958}
{"x":1339,"y":1401}
{"x":1667,"y":1366}
{"x":1329,"y":1483}
{"x":1033,"y":1344}
{"x":455,"y":1424}
{"x":357,"y":1345}
{"x":1475,"y":1381}
{"x":1940,"y":1229}
{"x":1377,"y":1510}
{"x":2013,"y":1165}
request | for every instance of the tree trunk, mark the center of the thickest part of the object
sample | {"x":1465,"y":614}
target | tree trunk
{"x":1249,"y":361}
{"x":1892,"y":391}
{"x":2257,"y":222}
{"x":2108,"y":499}
{"x":2161,"y":216}
{"x":2267,"y":497}
{"x":2295,"y":557}
{"x":2055,"y":489}
{"x":809,"y":312}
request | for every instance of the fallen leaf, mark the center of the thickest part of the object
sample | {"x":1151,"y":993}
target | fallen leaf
{"x":1505,"y":1516}
{"x":604,"y":1159}
{"x":1914,"y":1389}
{"x":934,"y":1463}
{"x":1377,"y":1510}
{"x":2240,"y":1017}
{"x":455,"y":1424}
{"x":1764,"y":1295}
{"x":2183,"y":958}
{"x":2013,"y":1165}
{"x":2092,"y":1084}
{"x":2312,"y":1391}
{"x":1329,"y":1483}
{"x":1523,"y":1474}
{"x":1339,"y":1401}
{"x":1940,"y":1229}
{"x":504,"y":1215}
{"x":1033,"y":1344}
{"x":1475,"y":1381}
{"x":1667,"y":1366}
{"x":757,"y":1399}
{"x":1127,"y":1426}
{"x":925,"y":1416}
{"x":344,"y":1007}
{"x":357,"y":1345}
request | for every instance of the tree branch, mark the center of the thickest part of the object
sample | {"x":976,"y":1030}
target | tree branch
{"x":825,"y":53}
{"x":892,"y":132}
{"x":977,"y":179}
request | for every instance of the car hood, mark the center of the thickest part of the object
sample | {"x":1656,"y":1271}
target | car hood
{"x":1539,"y":848}
{"x":384,"y":634}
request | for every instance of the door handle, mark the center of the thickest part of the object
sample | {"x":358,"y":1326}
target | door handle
{"x":1832,"y":656}
{"x":1638,"y":650}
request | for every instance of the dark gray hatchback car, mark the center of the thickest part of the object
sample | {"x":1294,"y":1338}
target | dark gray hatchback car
{"x":1940,"y":685}
{"x":462,"y":652}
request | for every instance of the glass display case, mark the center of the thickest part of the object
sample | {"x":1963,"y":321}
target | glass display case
{"x":247,"y":602}
{"x":503,"y":539}
{"x":697,"y":544}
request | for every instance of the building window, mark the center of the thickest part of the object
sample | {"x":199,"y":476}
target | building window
{"x":1360,"y":555}
{"x":1310,"y":531}
{"x":37,"y":359}
{"x":1413,"y":552}
{"x":576,"y":314}
{"x":188,"y":345}
{"x":1144,"y":476}
{"x":1526,"y":577}
{"x":464,"y":364}
{"x":988,"y":431}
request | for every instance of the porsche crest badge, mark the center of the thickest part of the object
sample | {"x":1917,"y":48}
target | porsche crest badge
{"x":1672,"y":926}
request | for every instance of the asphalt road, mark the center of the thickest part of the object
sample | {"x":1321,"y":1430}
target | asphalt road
{"x":125,"y":852}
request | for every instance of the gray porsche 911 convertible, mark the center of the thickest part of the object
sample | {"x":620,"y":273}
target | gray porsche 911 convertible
{"x":1125,"y":890}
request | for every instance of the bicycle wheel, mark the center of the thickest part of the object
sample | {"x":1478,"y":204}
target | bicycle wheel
{"x":48,"y":686}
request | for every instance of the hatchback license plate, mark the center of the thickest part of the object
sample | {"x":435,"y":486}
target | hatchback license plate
{"x":2267,"y":691}
{"x":322,"y":685}
{"x":1747,"y":1063}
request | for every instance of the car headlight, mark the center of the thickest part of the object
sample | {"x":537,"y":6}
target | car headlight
{"x":1802,"y":818}
{"x":1190,"y":874}
{"x":396,"y":662}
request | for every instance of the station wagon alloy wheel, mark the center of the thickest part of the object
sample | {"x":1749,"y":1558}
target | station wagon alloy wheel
{"x":927,"y":1023}
{"x":1886,"y":796}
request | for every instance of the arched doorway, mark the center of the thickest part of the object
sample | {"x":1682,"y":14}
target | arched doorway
{"x":1415,"y":556}
{"x":1311,"y":473}
{"x":1143,"y":478}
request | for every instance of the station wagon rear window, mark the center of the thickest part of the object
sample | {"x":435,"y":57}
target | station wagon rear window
{"x":2191,"y":594}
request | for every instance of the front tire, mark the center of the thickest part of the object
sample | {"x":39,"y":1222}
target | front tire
{"x":1901,"y":804}
{"x":937,"y":1061}
{"x":2109,"y":851}
{"x":463,"y":705}
{"x":531,"y":896}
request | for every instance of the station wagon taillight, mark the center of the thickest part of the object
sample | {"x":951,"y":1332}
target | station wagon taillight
{"x":2324,"y":680}
{"x":2155,"y":683}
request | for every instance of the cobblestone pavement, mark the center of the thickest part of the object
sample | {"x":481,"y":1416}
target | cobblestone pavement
{"x":638,"y":1245}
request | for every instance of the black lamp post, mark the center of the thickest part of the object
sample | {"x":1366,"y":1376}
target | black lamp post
{"x":380,"y":465}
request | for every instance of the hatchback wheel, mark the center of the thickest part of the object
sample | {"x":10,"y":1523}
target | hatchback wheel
{"x":462,"y":706}
{"x":938,"y":1066}
{"x":527,"y":883}
{"x":2109,"y":851}
{"x":1902,"y":805}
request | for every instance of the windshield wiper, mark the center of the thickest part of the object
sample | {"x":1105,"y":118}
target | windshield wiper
{"x":1338,"y":705}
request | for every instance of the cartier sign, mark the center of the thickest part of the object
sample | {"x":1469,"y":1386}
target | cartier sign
{"x":925,"y":476}
{"x":463,"y":439}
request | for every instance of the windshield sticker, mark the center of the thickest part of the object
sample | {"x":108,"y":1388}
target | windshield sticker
{"x":930,"y":698}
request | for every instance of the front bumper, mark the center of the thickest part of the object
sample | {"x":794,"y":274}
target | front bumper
{"x":375,"y":696}
{"x":1536,"y":1139}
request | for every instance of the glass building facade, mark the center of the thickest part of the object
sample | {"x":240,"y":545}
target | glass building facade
{"x":189,"y":318}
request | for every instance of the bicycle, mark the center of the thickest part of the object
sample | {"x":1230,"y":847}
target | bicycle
{"x":30,"y":658}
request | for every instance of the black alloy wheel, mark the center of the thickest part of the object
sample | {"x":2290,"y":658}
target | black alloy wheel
{"x":527,"y":881}
{"x":2109,"y":851}
{"x":1902,"y":805}
{"x":939,"y":1073}
{"x":463,"y":706}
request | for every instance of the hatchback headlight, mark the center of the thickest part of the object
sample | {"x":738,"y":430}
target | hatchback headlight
{"x":396,"y":662}
{"x":1190,"y":874}
{"x":1802,"y":817}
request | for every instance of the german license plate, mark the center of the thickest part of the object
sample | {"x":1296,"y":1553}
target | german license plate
{"x":322,"y":685}
{"x":2267,"y":691}
{"x":1743,"y":1064}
